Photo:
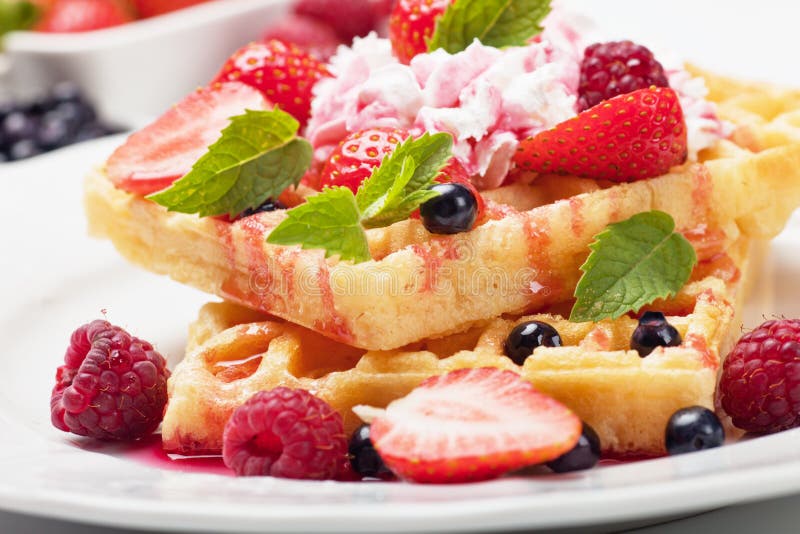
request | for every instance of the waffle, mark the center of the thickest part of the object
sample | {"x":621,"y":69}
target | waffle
{"x":232,"y":354}
{"x":525,"y":258}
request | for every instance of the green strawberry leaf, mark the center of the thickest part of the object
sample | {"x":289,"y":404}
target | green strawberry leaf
{"x":632,"y":263}
{"x":335,"y":219}
{"x":495,"y":23}
{"x":17,"y":15}
{"x":258,"y":156}
{"x":329,"y":221}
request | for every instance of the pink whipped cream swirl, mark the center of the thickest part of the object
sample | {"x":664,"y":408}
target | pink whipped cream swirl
{"x":487,"y":98}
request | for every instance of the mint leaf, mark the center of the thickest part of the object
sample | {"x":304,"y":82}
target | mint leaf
{"x":329,"y":221}
{"x":335,"y":219}
{"x":495,"y":23}
{"x":391,"y":193}
{"x":632,"y":263}
{"x":257,"y":157}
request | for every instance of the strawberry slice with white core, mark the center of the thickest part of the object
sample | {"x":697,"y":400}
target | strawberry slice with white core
{"x":154,"y":157}
{"x":471,"y":425}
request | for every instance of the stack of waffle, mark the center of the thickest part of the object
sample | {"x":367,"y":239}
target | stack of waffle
{"x":425,"y":305}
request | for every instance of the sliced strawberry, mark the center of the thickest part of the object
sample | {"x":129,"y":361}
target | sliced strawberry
{"x":358,"y":154}
{"x":470,"y":425}
{"x":411,"y":25}
{"x":626,"y":138}
{"x":71,"y":16}
{"x":308,"y":34}
{"x":154,"y":157}
{"x":282,"y":72}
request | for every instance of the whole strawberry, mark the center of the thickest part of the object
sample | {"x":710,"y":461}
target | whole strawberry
{"x":72,"y":16}
{"x":152,"y":8}
{"x":348,"y":18}
{"x":308,"y":34}
{"x":629,"y":137}
{"x":470,"y":425}
{"x":760,"y":383}
{"x":282,"y":72}
{"x":412,"y":24}
{"x":112,"y":386}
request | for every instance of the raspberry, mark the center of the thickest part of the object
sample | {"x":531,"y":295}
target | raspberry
{"x":760,"y":383}
{"x":113,"y":385}
{"x":286,"y":433}
{"x":616,"y":68}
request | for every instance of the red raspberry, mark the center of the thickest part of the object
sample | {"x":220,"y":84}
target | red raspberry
{"x":286,"y":433}
{"x":113,"y":385}
{"x":760,"y":383}
{"x":616,"y":68}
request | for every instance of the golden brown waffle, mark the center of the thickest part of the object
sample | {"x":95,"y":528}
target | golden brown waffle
{"x":627,"y":399}
{"x":525,"y":258}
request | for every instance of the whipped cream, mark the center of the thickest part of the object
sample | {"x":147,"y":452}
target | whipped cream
{"x":487,"y":98}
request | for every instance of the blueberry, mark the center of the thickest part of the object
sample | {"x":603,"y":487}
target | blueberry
{"x":584,"y":455}
{"x":527,"y":336}
{"x":53,"y":131}
{"x":363,"y":457}
{"x":23,"y":149}
{"x":693,"y":429}
{"x":654,"y":331}
{"x":268,"y":205}
{"x":452,"y":212}
{"x":18,"y":126}
{"x":65,"y":92}
{"x":75,"y":114}
{"x":3,"y":157}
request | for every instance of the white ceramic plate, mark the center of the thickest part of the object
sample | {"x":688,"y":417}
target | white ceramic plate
{"x":55,"y":278}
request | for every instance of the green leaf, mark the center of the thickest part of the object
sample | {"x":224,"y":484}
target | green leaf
{"x":632,"y":263}
{"x":329,"y":221}
{"x":17,"y":15}
{"x":392,"y":192}
{"x":257,"y":157}
{"x":495,"y":23}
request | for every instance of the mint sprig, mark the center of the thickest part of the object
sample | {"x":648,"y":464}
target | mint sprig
{"x":335,"y":220}
{"x":495,"y":23}
{"x":632,"y":263}
{"x":258,"y":156}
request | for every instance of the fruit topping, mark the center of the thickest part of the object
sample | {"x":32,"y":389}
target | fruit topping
{"x":453,"y":211}
{"x":617,"y":68}
{"x":358,"y":155}
{"x":470,"y":425}
{"x":412,"y":24}
{"x":654,"y":331}
{"x":629,"y":137}
{"x":153,"y":8}
{"x":308,"y":34}
{"x":286,"y":433}
{"x":693,"y":429}
{"x":760,"y":383}
{"x":348,"y":18}
{"x":527,"y":337}
{"x":364,"y":459}
{"x":112,"y":386}
{"x":154,"y":157}
{"x":269,"y":205}
{"x":68,"y":16}
{"x":284,"y":74}
{"x":584,"y":455}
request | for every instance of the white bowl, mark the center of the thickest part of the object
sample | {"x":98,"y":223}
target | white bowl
{"x":136,"y":71}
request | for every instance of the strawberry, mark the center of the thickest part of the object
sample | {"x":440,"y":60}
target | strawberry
{"x":411,"y":25}
{"x":349,"y":18}
{"x":71,"y":16}
{"x":152,"y":8}
{"x":358,"y":154}
{"x":308,"y":34}
{"x":470,"y":425}
{"x":282,"y":72}
{"x":164,"y":151}
{"x":626,"y":138}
